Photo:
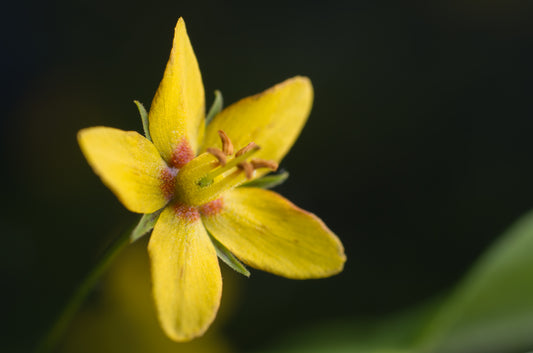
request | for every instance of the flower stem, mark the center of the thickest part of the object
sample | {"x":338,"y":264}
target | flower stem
{"x":51,"y":338}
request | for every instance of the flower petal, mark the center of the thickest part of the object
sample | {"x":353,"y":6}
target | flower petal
{"x":177,"y":112}
{"x":268,"y":232}
{"x":187,"y":283}
{"x":272,"y":119}
{"x":129,"y":165}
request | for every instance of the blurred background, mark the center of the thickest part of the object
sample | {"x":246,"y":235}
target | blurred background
{"x":417,"y":152}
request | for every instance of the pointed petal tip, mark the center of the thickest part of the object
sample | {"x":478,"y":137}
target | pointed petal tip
{"x":177,"y":335}
{"x":83,"y":132}
{"x":340,"y":267}
{"x":83,"y":135}
{"x":180,"y":24}
{"x":303,"y":80}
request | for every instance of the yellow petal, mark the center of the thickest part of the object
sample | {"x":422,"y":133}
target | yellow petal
{"x":272,"y":119}
{"x":268,"y":232}
{"x":177,"y":113}
{"x":129,"y":165}
{"x":187,"y":283}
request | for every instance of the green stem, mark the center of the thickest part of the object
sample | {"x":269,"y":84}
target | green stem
{"x":49,"y":341}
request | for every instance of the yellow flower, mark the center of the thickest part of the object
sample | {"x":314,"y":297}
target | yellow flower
{"x":186,"y":173}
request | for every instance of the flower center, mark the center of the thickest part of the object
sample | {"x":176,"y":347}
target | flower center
{"x":210,"y":174}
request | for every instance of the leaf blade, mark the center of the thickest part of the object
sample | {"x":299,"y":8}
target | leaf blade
{"x":491,"y":310}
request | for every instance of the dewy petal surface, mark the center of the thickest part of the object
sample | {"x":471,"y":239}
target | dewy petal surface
{"x":128,"y":164}
{"x":272,"y":119}
{"x":187,"y":283}
{"x":177,"y":112}
{"x":268,"y":232}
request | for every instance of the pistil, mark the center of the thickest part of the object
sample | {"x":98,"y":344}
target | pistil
{"x":210,"y":177}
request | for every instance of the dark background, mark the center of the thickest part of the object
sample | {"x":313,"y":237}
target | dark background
{"x":418,"y":152}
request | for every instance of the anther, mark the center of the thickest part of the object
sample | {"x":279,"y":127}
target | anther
{"x":218,"y":154}
{"x":246,"y":148}
{"x":248,"y":169}
{"x":263,"y":163}
{"x":227,"y":146}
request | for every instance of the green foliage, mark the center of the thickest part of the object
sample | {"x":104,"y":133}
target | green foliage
{"x":491,"y":310}
{"x":396,"y":334}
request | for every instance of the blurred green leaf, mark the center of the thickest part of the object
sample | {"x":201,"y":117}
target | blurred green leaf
{"x":492,"y":308}
{"x":395,"y":334}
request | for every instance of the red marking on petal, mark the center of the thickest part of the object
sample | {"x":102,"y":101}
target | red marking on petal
{"x":187,"y":213}
{"x":212,"y":208}
{"x":168,"y":181}
{"x":182,"y":154}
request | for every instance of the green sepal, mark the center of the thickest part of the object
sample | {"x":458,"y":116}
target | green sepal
{"x":146,"y":224}
{"x":144,"y":118}
{"x":229,"y":259}
{"x":216,"y":107}
{"x":268,"y":181}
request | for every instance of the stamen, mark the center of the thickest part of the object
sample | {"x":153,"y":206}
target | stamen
{"x":246,"y":148}
{"x":218,"y":154}
{"x":263,"y":163}
{"x":248,"y":169}
{"x":227,"y":146}
{"x":210,"y":177}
